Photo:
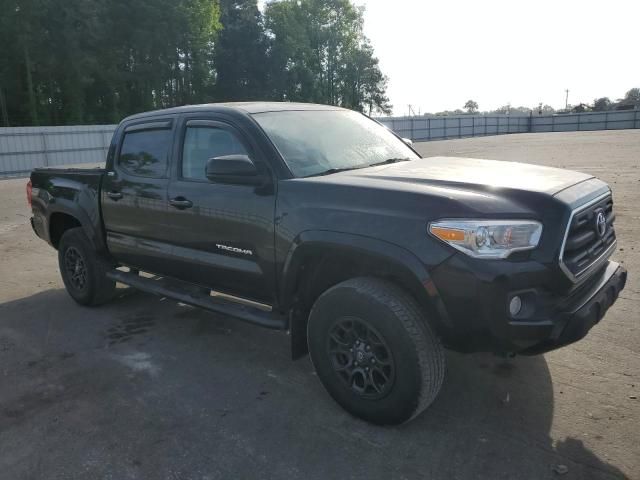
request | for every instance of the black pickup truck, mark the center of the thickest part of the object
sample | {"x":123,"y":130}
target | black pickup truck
{"x":321,"y":222}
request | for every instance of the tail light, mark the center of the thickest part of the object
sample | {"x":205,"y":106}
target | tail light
{"x":29,"y":191}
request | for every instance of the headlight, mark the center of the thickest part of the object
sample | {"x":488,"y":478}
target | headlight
{"x":488,"y":238}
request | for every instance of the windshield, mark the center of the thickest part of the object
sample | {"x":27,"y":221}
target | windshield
{"x":318,"y":142}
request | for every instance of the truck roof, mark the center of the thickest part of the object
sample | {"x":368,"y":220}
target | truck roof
{"x":245,"y":107}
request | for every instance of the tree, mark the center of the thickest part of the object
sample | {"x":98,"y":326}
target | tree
{"x":581,"y":108}
{"x":632,"y":97}
{"x":446,"y":113}
{"x":364,"y":86}
{"x":545,"y":109}
{"x":241,"y":52}
{"x":471,"y":106}
{"x":318,"y":53}
{"x":89,"y":61}
{"x":508,"y":109}
{"x":504,"y":110}
{"x":602,"y":104}
{"x":86,"y":61}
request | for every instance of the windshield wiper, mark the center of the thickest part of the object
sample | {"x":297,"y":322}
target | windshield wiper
{"x":344,"y":169}
{"x":337,"y":170}
{"x":390,"y":160}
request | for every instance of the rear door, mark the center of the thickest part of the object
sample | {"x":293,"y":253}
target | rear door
{"x":223,"y":234}
{"x":134,"y":194}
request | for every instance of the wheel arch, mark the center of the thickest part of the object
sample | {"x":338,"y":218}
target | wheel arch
{"x":319,"y":260}
{"x":65,"y":214}
{"x":59,"y":223}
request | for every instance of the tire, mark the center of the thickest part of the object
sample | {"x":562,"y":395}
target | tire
{"x":400,"y":361}
{"x":83,"y":270}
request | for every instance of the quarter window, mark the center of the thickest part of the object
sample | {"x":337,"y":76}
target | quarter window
{"x":145,"y":153}
{"x":203,"y":143}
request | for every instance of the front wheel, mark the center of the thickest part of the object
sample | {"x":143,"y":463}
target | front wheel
{"x":374,"y":351}
{"x":83,"y":270}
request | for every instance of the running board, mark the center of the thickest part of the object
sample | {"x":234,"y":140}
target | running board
{"x":198,"y":297}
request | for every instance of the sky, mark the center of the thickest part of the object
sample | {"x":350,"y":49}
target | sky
{"x":439,"y":54}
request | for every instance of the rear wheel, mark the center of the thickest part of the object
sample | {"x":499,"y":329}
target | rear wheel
{"x":83,"y":270}
{"x":374,"y":352}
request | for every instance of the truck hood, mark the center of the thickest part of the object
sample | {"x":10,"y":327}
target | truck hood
{"x":395,"y":202}
{"x":474,"y":174}
{"x":450,"y":187}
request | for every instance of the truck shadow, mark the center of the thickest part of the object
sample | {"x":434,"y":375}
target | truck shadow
{"x":496,"y":415}
{"x":492,"y":419}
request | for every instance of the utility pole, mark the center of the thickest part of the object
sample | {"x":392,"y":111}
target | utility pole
{"x":566,"y":99}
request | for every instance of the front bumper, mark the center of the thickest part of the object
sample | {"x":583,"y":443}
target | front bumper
{"x":573,"y":320}
{"x":480,"y":320}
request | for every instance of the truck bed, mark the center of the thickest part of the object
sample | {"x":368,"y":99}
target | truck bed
{"x":72,"y":192}
{"x":90,"y":177}
{"x":69,"y":170}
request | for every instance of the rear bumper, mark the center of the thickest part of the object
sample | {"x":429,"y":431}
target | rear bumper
{"x":37,"y":224}
{"x":33,"y":227}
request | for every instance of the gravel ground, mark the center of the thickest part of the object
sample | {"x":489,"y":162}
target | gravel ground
{"x":144,"y":388}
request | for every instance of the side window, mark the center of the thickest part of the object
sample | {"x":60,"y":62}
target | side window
{"x":145,"y":152}
{"x":203,"y":143}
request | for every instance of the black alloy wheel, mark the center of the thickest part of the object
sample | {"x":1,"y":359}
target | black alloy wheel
{"x":361,"y":357}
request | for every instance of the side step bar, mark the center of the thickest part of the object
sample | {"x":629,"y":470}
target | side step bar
{"x":197,"y":297}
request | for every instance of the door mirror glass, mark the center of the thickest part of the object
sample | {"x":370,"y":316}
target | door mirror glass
{"x":234,"y":169}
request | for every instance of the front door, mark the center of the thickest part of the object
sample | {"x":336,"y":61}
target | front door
{"x":223,"y":234}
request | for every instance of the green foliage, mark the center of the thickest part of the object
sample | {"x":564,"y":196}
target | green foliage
{"x":511,"y":110}
{"x":601,"y":104}
{"x":240,"y":54}
{"x":471,"y":106}
{"x":581,"y":108}
{"x":632,"y":97}
{"x":319,"y":54}
{"x":88,"y":61}
{"x":545,"y":109}
{"x":630,"y":100}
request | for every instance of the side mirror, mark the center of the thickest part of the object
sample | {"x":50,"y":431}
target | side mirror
{"x":234,"y":169}
{"x":408,"y":141}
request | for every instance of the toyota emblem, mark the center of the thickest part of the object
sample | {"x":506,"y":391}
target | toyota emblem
{"x":601,"y":224}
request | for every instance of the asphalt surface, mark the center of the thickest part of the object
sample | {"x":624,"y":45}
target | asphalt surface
{"x":143,"y":388}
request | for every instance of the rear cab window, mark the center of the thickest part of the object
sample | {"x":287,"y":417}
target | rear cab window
{"x":145,"y":149}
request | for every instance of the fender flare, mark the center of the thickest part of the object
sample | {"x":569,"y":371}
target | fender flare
{"x":89,"y":219}
{"x":401,"y":262}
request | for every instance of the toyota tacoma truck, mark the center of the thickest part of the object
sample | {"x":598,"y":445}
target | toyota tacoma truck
{"x":321,"y":222}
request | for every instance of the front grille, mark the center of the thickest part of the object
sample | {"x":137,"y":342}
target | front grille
{"x":585,"y":242}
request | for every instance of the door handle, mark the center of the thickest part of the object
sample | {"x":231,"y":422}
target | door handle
{"x":114,"y":195}
{"x":180,"y":203}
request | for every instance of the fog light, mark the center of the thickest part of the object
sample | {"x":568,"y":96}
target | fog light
{"x":515,"y":305}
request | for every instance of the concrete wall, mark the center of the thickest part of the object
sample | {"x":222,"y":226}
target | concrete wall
{"x":440,"y":128}
{"x":25,"y":148}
